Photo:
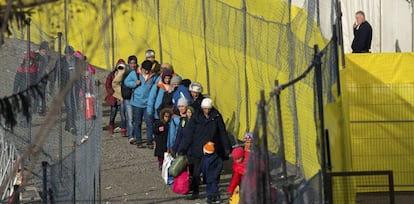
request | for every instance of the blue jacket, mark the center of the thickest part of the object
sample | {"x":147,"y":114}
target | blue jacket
{"x":181,"y":91}
{"x":172,"y":134}
{"x":141,"y":92}
{"x":210,"y":166}
{"x":155,"y":98}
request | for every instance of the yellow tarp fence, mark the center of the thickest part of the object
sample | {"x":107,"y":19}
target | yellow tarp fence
{"x":371,"y":127}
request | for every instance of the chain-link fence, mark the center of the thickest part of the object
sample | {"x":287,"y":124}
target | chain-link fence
{"x":280,"y":172}
{"x":52,"y":113}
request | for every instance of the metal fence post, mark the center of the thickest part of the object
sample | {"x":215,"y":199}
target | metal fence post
{"x":28,"y":94}
{"x":336,"y":58}
{"x":57,"y":72}
{"x":51,"y":197}
{"x":44,"y":193}
{"x":391,"y":187}
{"x":319,"y":93}
{"x":282,"y":140}
{"x":267,"y":191}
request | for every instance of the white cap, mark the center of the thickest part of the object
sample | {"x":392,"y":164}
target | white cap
{"x":182,"y":102}
{"x":195,"y":87}
{"x":207,"y":103}
{"x":149,"y":53}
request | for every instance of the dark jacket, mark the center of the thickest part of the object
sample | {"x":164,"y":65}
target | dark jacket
{"x":202,"y":129}
{"x":126,"y":91}
{"x":160,"y":130}
{"x":362,"y":38}
{"x":43,"y":62}
{"x":196,"y":104}
{"x":178,"y":146}
{"x":211,"y":166}
{"x":32,"y":73}
{"x":65,"y":73}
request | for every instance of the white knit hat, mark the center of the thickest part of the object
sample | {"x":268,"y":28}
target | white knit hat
{"x":182,"y":102}
{"x":207,"y":103}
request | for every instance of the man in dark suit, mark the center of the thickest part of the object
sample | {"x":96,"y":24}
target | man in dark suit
{"x":362,"y":34}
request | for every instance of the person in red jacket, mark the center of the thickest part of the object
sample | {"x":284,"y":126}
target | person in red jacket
{"x":239,"y":165}
{"x":111,"y":98}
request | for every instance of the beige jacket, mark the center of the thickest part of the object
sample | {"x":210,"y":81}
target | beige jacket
{"x":116,"y":84}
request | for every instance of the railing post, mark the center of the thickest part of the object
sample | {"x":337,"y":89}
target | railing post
{"x":319,"y":93}
{"x":44,"y":193}
{"x":282,"y":141}
{"x":391,"y":187}
{"x":57,"y":74}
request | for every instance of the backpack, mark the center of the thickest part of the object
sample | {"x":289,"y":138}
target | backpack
{"x":126,"y":91}
{"x":166,"y":101}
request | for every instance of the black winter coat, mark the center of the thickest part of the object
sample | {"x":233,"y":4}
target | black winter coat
{"x":160,"y":130}
{"x":203,"y":129}
{"x":196,"y":104}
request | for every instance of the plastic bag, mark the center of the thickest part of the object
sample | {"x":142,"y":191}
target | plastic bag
{"x":234,"y":199}
{"x":168,"y":159}
{"x":182,"y":183}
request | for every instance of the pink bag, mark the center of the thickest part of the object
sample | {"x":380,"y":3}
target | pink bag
{"x":181,"y":183}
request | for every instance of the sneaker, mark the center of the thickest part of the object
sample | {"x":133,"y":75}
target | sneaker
{"x":150,"y":146}
{"x":73,"y":131}
{"x":217,"y":199}
{"x":117,"y":129}
{"x":132,"y":140}
{"x":140,"y":146}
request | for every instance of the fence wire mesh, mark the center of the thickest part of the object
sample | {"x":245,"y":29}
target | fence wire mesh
{"x":276,"y":170}
{"x":381,"y":127}
{"x":362,"y":187}
{"x":64,"y":127}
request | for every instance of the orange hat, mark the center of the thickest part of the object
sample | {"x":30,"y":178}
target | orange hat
{"x":208,"y":148}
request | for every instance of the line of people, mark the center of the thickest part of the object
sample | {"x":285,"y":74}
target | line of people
{"x":178,"y":118}
{"x":33,"y":70}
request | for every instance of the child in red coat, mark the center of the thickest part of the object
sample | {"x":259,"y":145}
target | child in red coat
{"x":239,"y":165}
